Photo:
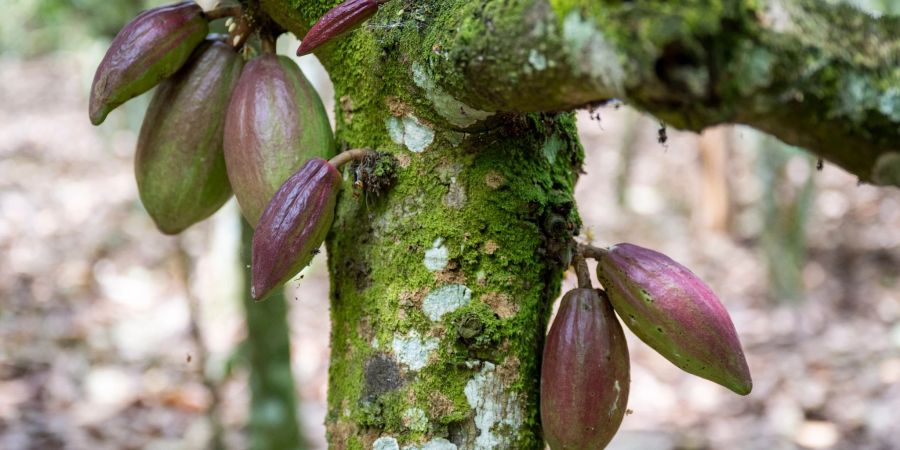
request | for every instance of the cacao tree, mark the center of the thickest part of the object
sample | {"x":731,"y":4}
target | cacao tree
{"x":443,"y":276}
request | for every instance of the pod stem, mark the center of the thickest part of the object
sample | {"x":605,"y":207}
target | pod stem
{"x":589,"y":251}
{"x":267,"y":43}
{"x":582,"y":271}
{"x":356,"y":154}
{"x":223,"y":12}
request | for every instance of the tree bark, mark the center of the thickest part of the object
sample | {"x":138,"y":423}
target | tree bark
{"x":442,"y":286}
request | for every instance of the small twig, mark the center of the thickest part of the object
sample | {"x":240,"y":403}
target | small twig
{"x":223,"y":12}
{"x":356,"y":154}
{"x":582,"y":271}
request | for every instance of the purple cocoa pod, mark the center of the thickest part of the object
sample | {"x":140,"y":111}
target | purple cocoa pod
{"x":150,"y":48}
{"x":275,"y":123}
{"x":584,"y":374}
{"x":293,"y":226}
{"x":676,"y":313}
{"x":337,"y":21}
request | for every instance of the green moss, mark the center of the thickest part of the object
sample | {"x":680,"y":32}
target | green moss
{"x":388,"y":236}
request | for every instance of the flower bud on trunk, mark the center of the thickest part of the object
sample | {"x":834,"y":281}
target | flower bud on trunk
{"x":584,"y":374}
{"x":293,"y":226}
{"x":180,"y":160}
{"x":676,"y":313}
{"x":149,"y":49}
{"x":275,"y":123}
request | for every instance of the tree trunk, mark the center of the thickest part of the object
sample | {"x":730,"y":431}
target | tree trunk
{"x":273,"y":421}
{"x":442,"y":286}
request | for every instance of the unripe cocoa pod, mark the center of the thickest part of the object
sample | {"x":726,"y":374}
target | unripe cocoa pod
{"x":675,"y":313}
{"x":275,"y":123}
{"x":584,"y":374}
{"x":150,"y":48}
{"x":293,"y":226}
{"x":337,"y":21}
{"x":180,"y":160}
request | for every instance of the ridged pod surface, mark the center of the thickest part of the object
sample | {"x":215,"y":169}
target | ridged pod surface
{"x":152,"y":47}
{"x":275,"y":123}
{"x":293,"y":226}
{"x":676,"y":313}
{"x":584,"y":374}
{"x":337,"y":21}
{"x":180,"y":160}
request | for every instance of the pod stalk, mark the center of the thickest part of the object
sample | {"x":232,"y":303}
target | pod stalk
{"x":356,"y":154}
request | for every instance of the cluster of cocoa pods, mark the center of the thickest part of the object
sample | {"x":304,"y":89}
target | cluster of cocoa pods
{"x":217,"y":125}
{"x":585,"y":369}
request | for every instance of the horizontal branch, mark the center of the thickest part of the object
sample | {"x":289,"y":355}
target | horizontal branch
{"x":824,"y":77}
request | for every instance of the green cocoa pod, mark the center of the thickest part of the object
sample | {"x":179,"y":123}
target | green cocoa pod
{"x":676,"y":313}
{"x":275,"y":123}
{"x":180,"y":160}
{"x":149,"y":49}
{"x":584,"y":374}
{"x":293,"y":226}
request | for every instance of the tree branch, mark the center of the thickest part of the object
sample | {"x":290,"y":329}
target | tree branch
{"x":824,"y":77}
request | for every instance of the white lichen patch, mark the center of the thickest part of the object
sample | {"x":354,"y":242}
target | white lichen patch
{"x":589,"y":53}
{"x":415,"y":420}
{"x":437,"y":257}
{"x":412,"y":350}
{"x":445,"y":299}
{"x":552,"y":147}
{"x":456,"y":195}
{"x":434,"y":444}
{"x":386,"y":443}
{"x":410,"y":133}
{"x":857,"y":96}
{"x":455,"y":111}
{"x":889,"y":104}
{"x":776,"y":17}
{"x":494,"y":407}
{"x":395,"y":129}
{"x":537,"y":60}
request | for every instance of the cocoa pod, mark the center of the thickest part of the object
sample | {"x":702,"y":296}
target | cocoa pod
{"x":337,"y":21}
{"x":152,"y":47}
{"x":675,"y":313}
{"x":584,"y":374}
{"x":180,"y":160}
{"x":293,"y":226}
{"x":275,"y":123}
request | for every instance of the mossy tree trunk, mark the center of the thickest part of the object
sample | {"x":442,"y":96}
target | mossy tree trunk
{"x":441,"y":287}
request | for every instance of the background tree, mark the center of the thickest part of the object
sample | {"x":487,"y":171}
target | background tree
{"x":441,"y":288}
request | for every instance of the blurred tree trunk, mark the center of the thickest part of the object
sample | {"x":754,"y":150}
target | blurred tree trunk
{"x":273,"y":422}
{"x":442,"y":286}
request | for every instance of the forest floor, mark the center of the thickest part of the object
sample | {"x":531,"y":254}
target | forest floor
{"x":95,"y":343}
